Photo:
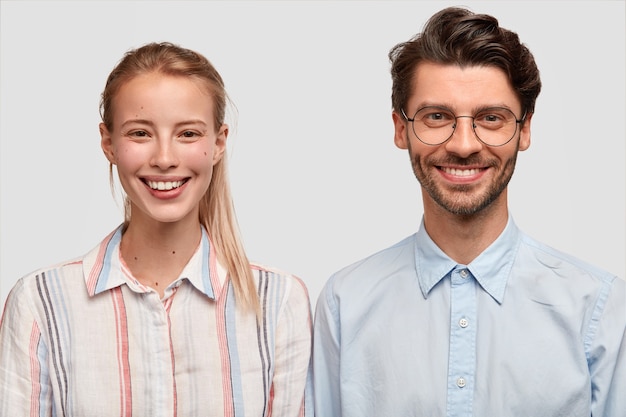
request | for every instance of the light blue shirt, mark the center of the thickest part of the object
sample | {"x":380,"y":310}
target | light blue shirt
{"x":523,"y":330}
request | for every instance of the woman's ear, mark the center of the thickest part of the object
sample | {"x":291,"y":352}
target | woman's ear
{"x":220,"y":143}
{"x":106,"y":143}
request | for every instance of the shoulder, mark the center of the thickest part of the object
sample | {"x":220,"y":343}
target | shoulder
{"x":278,"y":283}
{"x":372,"y":279}
{"x":560,"y":262}
{"x":33,"y":290}
{"x":63,"y":277}
{"x":377,"y":266}
{"x":564,"y":274}
{"x":68,"y":268}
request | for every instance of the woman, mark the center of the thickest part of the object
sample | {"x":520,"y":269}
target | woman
{"x":166,"y":317}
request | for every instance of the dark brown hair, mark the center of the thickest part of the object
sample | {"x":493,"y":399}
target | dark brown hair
{"x":460,"y":37}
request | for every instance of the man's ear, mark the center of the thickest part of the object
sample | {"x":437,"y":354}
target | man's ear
{"x":400,"y":136}
{"x":106,"y":143}
{"x":524,"y":136}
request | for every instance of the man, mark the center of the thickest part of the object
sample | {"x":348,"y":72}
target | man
{"x":469,"y":316}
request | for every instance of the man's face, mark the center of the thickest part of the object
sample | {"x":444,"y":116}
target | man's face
{"x":462,"y":175}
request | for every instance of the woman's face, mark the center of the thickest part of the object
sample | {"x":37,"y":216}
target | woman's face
{"x":164,"y":143}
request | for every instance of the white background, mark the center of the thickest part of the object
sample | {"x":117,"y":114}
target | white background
{"x":316,"y":178}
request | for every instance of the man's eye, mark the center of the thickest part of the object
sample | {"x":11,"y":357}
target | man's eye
{"x":491,"y":118}
{"x":437,"y":117}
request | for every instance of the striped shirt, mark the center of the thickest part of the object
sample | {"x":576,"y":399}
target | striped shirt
{"x":85,"y":338}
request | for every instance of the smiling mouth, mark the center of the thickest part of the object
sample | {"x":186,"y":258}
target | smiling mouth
{"x":461,"y":172}
{"x":164,"y":185}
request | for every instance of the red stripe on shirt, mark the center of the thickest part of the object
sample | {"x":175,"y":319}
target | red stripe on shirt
{"x":168,"y":306}
{"x":97,"y":267}
{"x":35,"y":370}
{"x":121,"y":328}
{"x":220,"y":317}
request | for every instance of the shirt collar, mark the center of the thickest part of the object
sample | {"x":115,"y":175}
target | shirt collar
{"x":103,"y":268}
{"x":204,"y":271}
{"x":491,"y":268}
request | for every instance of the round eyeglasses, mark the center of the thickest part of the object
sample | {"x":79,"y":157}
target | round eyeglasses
{"x":493,"y":126}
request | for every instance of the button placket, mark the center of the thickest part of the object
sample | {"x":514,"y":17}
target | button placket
{"x":462,"y":354}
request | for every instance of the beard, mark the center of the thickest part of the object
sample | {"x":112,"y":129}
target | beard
{"x":463,"y":199}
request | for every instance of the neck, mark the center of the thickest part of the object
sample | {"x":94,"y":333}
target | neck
{"x":156,"y":253}
{"x":463,"y":238}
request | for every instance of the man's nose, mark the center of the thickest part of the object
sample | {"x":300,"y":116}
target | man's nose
{"x":464,"y":141}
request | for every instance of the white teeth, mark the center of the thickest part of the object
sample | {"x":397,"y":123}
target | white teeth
{"x":461,"y":172}
{"x":164,"y":185}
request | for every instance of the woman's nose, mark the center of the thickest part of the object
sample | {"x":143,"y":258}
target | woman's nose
{"x":164,"y":155}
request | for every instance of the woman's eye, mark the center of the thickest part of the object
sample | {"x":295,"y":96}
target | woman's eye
{"x":138,"y":133}
{"x":190,"y":134}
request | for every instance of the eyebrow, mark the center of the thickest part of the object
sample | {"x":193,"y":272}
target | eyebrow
{"x":152,"y":124}
{"x":474,"y":110}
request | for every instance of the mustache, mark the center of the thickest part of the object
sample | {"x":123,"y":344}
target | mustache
{"x":472,"y":160}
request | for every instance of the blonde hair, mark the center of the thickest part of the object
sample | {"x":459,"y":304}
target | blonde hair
{"x":216,"y":208}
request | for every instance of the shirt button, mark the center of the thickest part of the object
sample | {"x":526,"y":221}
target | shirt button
{"x":464,"y":273}
{"x":461,"y":382}
{"x":463,"y":322}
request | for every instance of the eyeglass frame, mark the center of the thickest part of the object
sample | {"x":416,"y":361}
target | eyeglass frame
{"x":517,"y":122}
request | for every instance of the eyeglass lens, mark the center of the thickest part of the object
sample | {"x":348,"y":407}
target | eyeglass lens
{"x":493,"y":126}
